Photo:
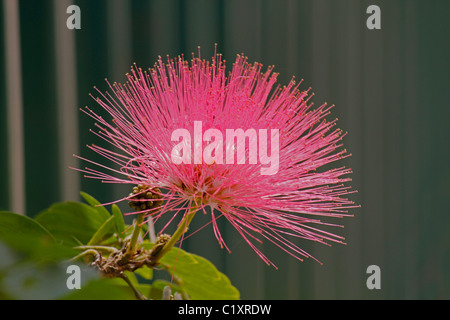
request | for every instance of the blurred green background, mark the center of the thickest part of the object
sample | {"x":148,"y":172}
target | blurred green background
{"x":389,"y":87}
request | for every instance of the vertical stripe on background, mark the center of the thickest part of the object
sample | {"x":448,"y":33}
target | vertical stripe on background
{"x":292,"y":268}
{"x":393,"y":159}
{"x":324,"y":278}
{"x":164,"y":25}
{"x":411,"y":177}
{"x":119,"y":39}
{"x":119,"y":55}
{"x":351,"y":261}
{"x":201,"y":27}
{"x":66,"y":99}
{"x":14,"y":103}
{"x":373,"y":150}
{"x":303,"y":55}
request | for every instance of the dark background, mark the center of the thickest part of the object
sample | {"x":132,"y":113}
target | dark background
{"x":390,"y":88}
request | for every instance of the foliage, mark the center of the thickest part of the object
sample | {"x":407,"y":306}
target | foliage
{"x":35,"y":255}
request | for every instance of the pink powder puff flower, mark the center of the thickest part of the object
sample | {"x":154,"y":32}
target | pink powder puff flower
{"x":280,"y":206}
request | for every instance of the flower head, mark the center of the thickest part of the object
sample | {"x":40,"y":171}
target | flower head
{"x":251,"y":151}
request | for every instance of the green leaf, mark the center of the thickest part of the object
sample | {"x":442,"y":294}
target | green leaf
{"x":27,"y":236}
{"x":105,"y":230}
{"x":118,"y":219}
{"x":95,"y":204}
{"x":21,"y":225}
{"x":145,"y":272}
{"x":72,"y":222}
{"x":196,"y":276}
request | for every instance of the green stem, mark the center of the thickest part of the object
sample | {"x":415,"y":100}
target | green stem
{"x":135,"y":235}
{"x":97,"y":248}
{"x":182,"y":228}
{"x":136,"y":292}
{"x":92,"y":252}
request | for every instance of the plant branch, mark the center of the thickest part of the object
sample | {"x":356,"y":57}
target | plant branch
{"x":136,"y":292}
{"x":182,"y":229}
{"x":135,"y":235}
{"x":98,"y":248}
{"x":84,"y":253}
